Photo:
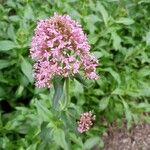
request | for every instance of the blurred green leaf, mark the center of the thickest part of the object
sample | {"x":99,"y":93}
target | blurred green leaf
{"x":59,"y":138}
{"x":125,"y":21}
{"x":45,"y":134}
{"x":7,"y":45}
{"x":28,"y":13}
{"x":103,"y":103}
{"x":82,"y":80}
{"x":116,"y":40}
{"x":14,"y":18}
{"x":103,"y":12}
{"x":93,"y":38}
{"x":11,"y":32}
{"x":2,"y":92}
{"x":33,"y":146}
{"x":148,"y":38}
{"x":58,"y":87}
{"x":93,"y":18}
{"x":91,"y":142}
{"x":128,"y":113}
{"x":4,"y":63}
{"x":19,"y":91}
{"x":43,"y":112}
{"x":114,"y":74}
{"x":78,"y":89}
{"x":27,"y":69}
{"x":76,"y":139}
{"x":97,"y":54}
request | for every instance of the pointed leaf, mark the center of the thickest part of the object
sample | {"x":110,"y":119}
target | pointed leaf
{"x":83,"y":81}
{"x":27,"y":69}
{"x":58,"y":87}
{"x":7,"y":45}
{"x":59,"y":138}
{"x":103,"y":12}
{"x":125,"y":21}
{"x":113,"y":73}
{"x":116,"y":40}
{"x":147,"y":38}
{"x":76,"y":139}
{"x":4,"y":63}
{"x":11,"y":32}
{"x":103,"y":103}
{"x":128,"y":113}
{"x":43,"y":112}
{"x":91,"y":142}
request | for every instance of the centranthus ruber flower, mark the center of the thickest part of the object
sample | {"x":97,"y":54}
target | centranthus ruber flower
{"x":59,"y":47}
{"x":85,"y":122}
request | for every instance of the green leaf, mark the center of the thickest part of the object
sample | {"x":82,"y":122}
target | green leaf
{"x":130,"y":53}
{"x":144,"y":58}
{"x":103,"y":103}
{"x":93,"y":38}
{"x":14,"y":18}
{"x":128,"y":113}
{"x":2,"y":92}
{"x":78,"y":88}
{"x":83,"y":81}
{"x":91,"y":142}
{"x":43,"y":112}
{"x":119,"y":91}
{"x":145,"y":71}
{"x":19,"y":91}
{"x":28,"y":13}
{"x":68,"y":118}
{"x":147,"y":38}
{"x":116,"y":40}
{"x":103,"y":12}
{"x":97,"y":54}
{"x":125,"y":21}
{"x":27,"y":69}
{"x":113,"y":73}
{"x":11,"y":32}
{"x":59,"y":138}
{"x":4,"y":63}
{"x":7,"y":45}
{"x":145,"y":106}
{"x":76,"y":140}
{"x":92,"y":18}
{"x":58,"y":87}
{"x":33,"y":146}
{"x":45,"y":134}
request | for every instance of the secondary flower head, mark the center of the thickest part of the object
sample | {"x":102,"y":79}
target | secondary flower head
{"x":85,"y":122}
{"x":59,"y":47}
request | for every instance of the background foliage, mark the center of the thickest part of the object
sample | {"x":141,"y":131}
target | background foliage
{"x":119,"y":33}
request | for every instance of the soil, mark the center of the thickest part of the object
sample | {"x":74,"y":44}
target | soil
{"x":137,"y":138}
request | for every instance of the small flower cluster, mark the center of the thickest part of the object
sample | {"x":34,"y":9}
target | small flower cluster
{"x":59,"y":47}
{"x":85,"y":122}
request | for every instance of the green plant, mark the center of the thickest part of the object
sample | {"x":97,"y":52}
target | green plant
{"x":118,"y":32}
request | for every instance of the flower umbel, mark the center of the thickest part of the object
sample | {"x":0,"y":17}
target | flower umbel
{"x":85,"y":122}
{"x":59,"y":47}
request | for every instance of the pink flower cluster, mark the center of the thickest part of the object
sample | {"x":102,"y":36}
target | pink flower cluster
{"x":85,"y":122}
{"x":59,"y":47}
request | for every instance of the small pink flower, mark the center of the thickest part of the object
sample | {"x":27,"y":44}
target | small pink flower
{"x":85,"y":122}
{"x":59,"y":47}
